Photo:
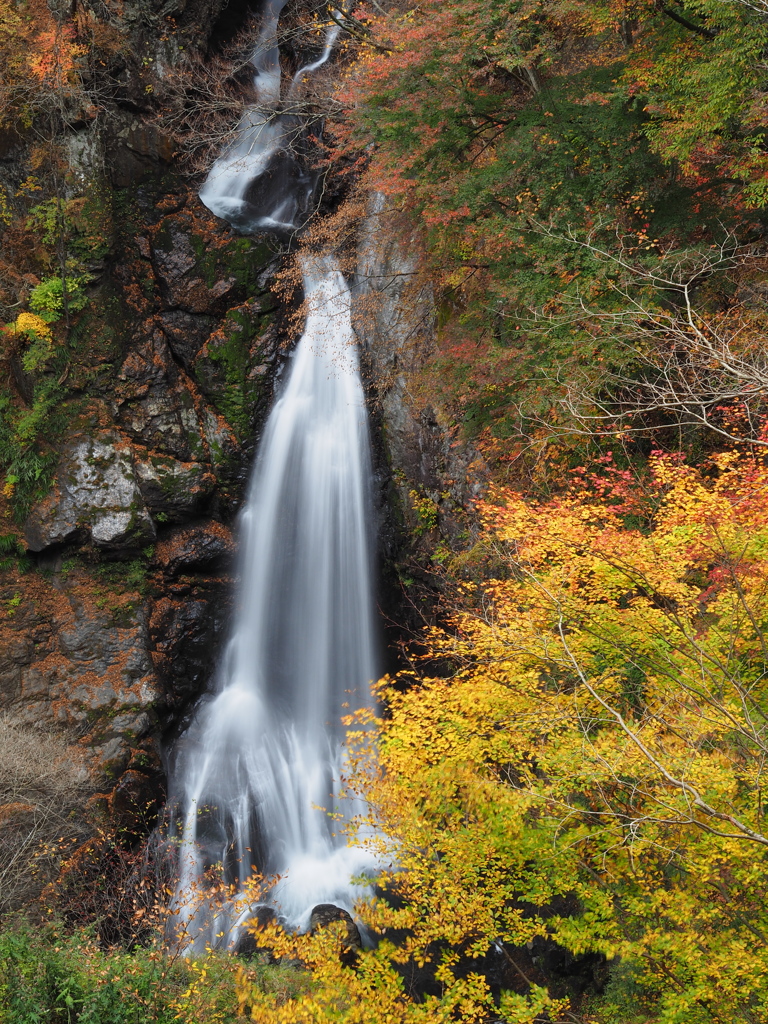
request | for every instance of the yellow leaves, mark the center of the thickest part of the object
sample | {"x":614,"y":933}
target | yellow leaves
{"x":602,"y":736}
{"x":585,"y":775}
{"x":30,"y":323}
{"x":371,"y":992}
{"x":530,"y":1009}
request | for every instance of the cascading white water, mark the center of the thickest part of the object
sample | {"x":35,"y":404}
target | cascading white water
{"x":255,"y":184}
{"x":257,"y":775}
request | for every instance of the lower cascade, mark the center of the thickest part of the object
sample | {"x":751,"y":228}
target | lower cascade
{"x":257,"y":777}
{"x":264,"y":757}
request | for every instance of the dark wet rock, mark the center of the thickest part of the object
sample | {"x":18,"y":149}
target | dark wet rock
{"x":226,"y":354}
{"x":160,"y":408}
{"x":186,"y":628}
{"x":138,"y":149}
{"x":193,"y":548}
{"x":137,"y":797}
{"x":394,"y":315}
{"x":219,"y":438}
{"x":325,"y":914}
{"x":118,"y":661}
{"x":142,"y":447}
{"x":146,"y":140}
{"x":166,"y":421}
{"x":184,"y":279}
{"x":15,"y":652}
{"x":246,"y":941}
{"x":105,"y":491}
{"x":149,"y":362}
{"x":186,"y":333}
{"x":72,"y":659}
{"x":234,"y":368}
{"x":96,"y":493}
{"x":156,"y":407}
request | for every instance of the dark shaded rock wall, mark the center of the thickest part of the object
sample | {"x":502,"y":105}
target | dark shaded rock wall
{"x":110,"y":626}
{"x":427,"y":477}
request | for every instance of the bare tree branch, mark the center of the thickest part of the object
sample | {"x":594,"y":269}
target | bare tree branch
{"x":742,"y":830}
{"x":683,"y":362}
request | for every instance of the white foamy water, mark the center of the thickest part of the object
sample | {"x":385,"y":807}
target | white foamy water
{"x":258,"y":775}
{"x":261,"y":134}
{"x":256,"y":184}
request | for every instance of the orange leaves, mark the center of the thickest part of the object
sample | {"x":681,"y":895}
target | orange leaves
{"x":41,"y":58}
{"x":603,"y":735}
{"x":55,"y":55}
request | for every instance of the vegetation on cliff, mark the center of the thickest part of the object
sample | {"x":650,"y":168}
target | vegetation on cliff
{"x":574,"y":167}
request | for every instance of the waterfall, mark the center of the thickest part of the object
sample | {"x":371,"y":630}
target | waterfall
{"x":257,"y":775}
{"x":256,"y":184}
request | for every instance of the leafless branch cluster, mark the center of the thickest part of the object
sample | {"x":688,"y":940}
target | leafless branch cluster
{"x":693,"y":367}
{"x":758,"y":6}
{"x":201,"y":103}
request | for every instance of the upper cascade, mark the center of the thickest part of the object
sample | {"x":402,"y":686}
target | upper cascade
{"x":258,"y":184}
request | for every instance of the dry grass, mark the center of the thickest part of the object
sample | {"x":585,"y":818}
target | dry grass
{"x":43,"y":788}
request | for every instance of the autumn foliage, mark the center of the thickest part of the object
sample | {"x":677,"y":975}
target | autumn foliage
{"x":590,"y":773}
{"x":573,"y":771}
{"x":516,"y":132}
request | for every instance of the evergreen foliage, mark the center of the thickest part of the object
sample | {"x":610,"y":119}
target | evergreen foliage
{"x":526,"y":135}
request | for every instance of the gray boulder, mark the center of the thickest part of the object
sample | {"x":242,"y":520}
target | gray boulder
{"x":326,"y":913}
{"x":172,"y":487}
{"x":96,"y":493}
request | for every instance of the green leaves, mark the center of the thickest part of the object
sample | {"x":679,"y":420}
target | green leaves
{"x":509,"y":128}
{"x":54,"y":296}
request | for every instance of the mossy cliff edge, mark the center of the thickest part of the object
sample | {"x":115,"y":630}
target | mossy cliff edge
{"x":139,"y":356}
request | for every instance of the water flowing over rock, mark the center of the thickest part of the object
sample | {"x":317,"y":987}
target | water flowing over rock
{"x":258,"y":775}
{"x":147,"y":437}
{"x":258,"y":183}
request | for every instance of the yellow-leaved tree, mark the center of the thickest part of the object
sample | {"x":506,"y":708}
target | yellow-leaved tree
{"x":589,"y":775}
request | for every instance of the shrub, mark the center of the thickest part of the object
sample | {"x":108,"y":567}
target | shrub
{"x":47,"y":298}
{"x":49,"y":975}
{"x":46,"y":975}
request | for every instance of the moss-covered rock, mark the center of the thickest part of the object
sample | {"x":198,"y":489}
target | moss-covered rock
{"x":171,"y":489}
{"x":233,"y":366}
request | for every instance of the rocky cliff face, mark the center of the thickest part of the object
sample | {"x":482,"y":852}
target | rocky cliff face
{"x":110,"y":628}
{"x":427,"y":476}
{"x":111,"y":621}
